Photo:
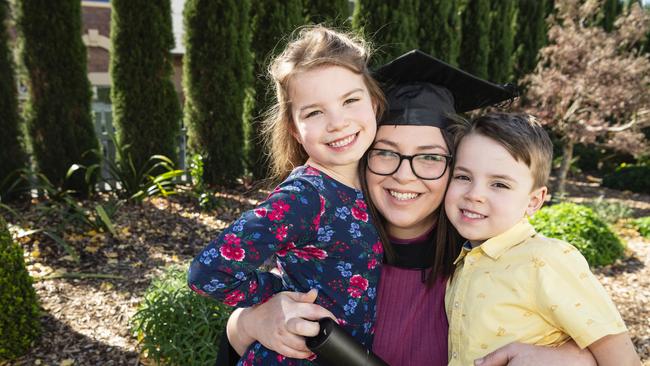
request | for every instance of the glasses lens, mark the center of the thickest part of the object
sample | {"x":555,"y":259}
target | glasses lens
{"x":383,"y":161}
{"x":429,"y":166}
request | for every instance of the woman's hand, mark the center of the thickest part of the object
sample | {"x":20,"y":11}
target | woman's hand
{"x":280,"y":324}
{"x":520,"y":354}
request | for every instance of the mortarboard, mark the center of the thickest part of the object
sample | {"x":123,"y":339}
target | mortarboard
{"x":422,"y":90}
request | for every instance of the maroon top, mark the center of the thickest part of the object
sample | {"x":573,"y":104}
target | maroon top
{"x":411,"y":324}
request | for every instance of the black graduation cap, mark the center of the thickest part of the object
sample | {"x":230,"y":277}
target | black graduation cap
{"x":422,"y":90}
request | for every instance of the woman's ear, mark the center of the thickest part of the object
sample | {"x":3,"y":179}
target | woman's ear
{"x":537,"y":198}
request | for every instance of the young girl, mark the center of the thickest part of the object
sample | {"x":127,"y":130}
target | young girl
{"x":316,"y":221}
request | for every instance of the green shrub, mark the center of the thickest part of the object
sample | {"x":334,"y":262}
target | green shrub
{"x":176,"y":326}
{"x":581,"y":227}
{"x":635,"y":178}
{"x":610,"y":212}
{"x":19,"y":323}
{"x":642,"y":225}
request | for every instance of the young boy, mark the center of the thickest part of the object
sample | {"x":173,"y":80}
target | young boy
{"x":512,"y":284}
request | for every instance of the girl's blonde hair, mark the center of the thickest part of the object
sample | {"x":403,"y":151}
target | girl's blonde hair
{"x":314,"y":46}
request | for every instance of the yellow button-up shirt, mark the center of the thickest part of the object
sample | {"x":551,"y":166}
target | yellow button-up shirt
{"x":521,"y":286}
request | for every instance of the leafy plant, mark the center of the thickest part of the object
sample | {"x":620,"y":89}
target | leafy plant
{"x":581,"y":227}
{"x":642,"y":225}
{"x":129,"y":181}
{"x":175,"y":326}
{"x":631,"y":177}
{"x":610,"y":212}
{"x":19,"y":318}
{"x":205,"y":197}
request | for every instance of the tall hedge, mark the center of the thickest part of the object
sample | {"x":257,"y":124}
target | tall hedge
{"x":146,"y":109}
{"x":57,"y":111}
{"x":217,"y":72}
{"x":19,"y":318}
{"x":392,"y":25}
{"x":475,"y":45}
{"x":273,"y":21}
{"x":439,"y":33}
{"x":12,"y":155}
{"x":611,"y":9}
{"x":502,"y":32}
{"x":329,"y":12}
{"x":530,"y":36}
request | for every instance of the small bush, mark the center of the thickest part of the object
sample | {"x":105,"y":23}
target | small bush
{"x":581,"y":227}
{"x":610,"y":212}
{"x":635,"y":178}
{"x":19,"y":318}
{"x":175,"y":326}
{"x":642,"y":225}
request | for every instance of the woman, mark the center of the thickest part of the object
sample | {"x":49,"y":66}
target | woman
{"x":411,"y":326}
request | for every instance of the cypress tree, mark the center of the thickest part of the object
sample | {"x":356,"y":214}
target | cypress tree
{"x":530,"y":36}
{"x":330,"y":12}
{"x":391,"y":24}
{"x":611,"y":10}
{"x":58,"y":108}
{"x":273,"y":21}
{"x":12,"y":155}
{"x":439,"y":35}
{"x":217,"y":72}
{"x":475,"y":45}
{"x":502,"y":23}
{"x":146,"y":109}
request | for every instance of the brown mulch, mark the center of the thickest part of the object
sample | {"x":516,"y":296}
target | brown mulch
{"x":86,"y":320}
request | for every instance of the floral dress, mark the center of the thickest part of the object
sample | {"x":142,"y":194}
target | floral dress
{"x":321,"y":235}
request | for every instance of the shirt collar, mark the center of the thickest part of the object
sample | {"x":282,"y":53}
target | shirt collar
{"x":496,"y":246}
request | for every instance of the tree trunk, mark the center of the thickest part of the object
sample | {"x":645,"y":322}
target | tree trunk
{"x":567,"y":157}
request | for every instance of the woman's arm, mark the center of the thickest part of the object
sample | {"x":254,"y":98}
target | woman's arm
{"x":520,"y":354}
{"x":280,"y":324}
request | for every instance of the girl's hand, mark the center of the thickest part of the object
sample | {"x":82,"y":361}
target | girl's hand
{"x":520,"y":354}
{"x":280,"y":324}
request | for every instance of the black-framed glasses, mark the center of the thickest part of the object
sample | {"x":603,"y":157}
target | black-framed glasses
{"x":423,"y":166}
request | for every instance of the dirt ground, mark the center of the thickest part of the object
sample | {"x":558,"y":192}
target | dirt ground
{"x":86,"y":320}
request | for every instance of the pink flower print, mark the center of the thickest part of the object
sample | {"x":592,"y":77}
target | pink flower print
{"x":234,"y":298}
{"x":309,"y":252}
{"x":198,"y":290}
{"x":276,"y":215}
{"x":377,"y":247}
{"x":232,"y":252}
{"x":312,"y":357}
{"x":285,"y":249}
{"x":359,"y":215}
{"x":280,"y":358}
{"x":252,"y":287}
{"x":281,"y":232}
{"x":311,"y":171}
{"x":361,"y":204}
{"x":372,"y":263}
{"x":358,"y":285}
{"x":232,"y":239}
{"x":260,"y":212}
{"x":322,"y":211}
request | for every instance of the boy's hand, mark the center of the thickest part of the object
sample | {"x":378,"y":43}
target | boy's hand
{"x":520,"y":354}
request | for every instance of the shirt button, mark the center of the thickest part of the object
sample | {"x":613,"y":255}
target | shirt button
{"x":456,"y":304}
{"x":455,"y":355}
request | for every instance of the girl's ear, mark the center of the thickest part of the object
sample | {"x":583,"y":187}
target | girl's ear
{"x":537,"y":198}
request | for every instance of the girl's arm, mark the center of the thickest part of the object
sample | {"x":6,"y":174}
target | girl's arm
{"x":227,"y":269}
{"x":615,"y":349}
{"x":279,"y":324}
{"x":521,"y":354}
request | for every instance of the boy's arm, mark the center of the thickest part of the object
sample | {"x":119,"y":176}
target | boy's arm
{"x":615,"y":350}
{"x":521,"y":354}
{"x":227,"y":269}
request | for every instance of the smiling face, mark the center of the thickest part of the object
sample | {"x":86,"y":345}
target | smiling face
{"x":334,"y":119}
{"x":489,"y":191}
{"x":408,"y":203}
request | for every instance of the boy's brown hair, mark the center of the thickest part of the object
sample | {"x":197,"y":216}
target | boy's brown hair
{"x":521,"y":134}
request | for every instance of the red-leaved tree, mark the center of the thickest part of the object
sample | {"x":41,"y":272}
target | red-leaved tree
{"x":590,"y":86}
